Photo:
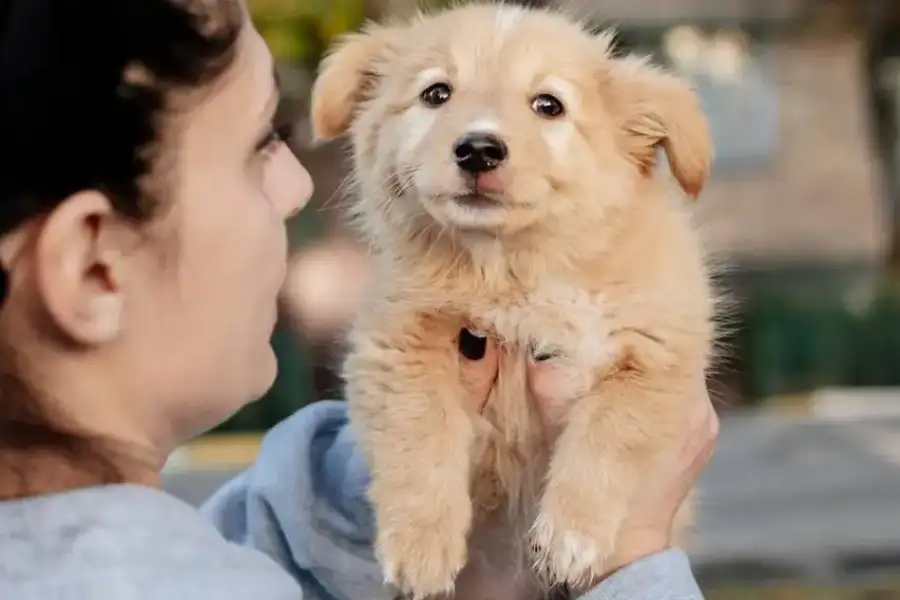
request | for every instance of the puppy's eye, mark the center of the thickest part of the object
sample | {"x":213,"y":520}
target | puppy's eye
{"x":547,"y":105}
{"x":436,"y":94}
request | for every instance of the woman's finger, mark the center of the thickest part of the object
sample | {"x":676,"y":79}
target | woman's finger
{"x":699,"y":445}
{"x":554,"y":386}
{"x":472,"y":344}
{"x":704,"y":423}
{"x":479,"y":360}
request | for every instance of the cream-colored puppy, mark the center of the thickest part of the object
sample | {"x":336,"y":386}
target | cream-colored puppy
{"x":504,"y":161}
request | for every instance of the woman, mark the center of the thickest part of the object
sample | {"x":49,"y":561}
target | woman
{"x":142,"y":201}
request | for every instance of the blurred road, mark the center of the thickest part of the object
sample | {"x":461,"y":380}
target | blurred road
{"x":784,"y":497}
{"x":801,"y":497}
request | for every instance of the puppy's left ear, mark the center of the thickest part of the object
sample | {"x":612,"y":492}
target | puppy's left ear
{"x":659,"y":109}
{"x":346,"y":78}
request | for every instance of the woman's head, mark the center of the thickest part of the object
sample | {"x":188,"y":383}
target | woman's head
{"x":142,"y":201}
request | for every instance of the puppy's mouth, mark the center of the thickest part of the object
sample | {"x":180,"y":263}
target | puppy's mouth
{"x":473,"y":211}
{"x":475,"y":200}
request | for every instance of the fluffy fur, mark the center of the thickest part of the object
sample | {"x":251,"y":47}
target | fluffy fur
{"x":581,"y":253}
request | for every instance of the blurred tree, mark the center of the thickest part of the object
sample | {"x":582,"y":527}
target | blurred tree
{"x":882,"y":81}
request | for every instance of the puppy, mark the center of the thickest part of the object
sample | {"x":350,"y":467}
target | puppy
{"x":504,"y":161}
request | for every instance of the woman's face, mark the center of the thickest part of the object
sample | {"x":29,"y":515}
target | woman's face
{"x":201,"y":334}
{"x":156,"y":334}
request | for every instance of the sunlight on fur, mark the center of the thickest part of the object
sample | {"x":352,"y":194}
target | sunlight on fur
{"x":505,"y":175}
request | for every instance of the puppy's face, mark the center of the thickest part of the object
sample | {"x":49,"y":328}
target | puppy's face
{"x":502,"y":119}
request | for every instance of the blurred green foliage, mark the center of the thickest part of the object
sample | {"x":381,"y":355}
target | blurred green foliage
{"x":299,"y":31}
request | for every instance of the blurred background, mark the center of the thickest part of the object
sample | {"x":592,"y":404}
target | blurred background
{"x":803,"y":497}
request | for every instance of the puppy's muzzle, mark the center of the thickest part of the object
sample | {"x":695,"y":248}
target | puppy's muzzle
{"x":479,"y":153}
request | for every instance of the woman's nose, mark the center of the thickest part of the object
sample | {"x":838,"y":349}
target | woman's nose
{"x":292,"y":186}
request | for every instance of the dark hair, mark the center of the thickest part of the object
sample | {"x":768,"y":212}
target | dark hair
{"x":71,"y":120}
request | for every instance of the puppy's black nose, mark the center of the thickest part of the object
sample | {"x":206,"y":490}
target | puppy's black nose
{"x":479,"y":152}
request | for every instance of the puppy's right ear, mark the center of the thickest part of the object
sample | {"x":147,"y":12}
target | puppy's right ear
{"x":346,"y":76}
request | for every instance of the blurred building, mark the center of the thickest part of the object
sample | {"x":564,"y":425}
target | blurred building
{"x":666,"y":12}
{"x":784,"y":87}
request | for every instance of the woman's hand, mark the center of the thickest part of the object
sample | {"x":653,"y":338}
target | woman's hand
{"x":648,"y":528}
{"x":479,"y":360}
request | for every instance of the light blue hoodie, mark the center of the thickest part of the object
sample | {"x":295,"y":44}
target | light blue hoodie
{"x":295,"y":525}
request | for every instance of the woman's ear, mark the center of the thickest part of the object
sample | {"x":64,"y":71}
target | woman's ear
{"x":78,"y":266}
{"x":346,"y":76}
{"x":658,"y":109}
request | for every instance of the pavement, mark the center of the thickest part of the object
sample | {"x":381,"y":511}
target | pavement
{"x":801,"y":498}
{"x":786,"y":497}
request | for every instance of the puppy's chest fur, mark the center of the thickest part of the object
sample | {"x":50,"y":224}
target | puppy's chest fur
{"x":648,"y":301}
{"x":551,"y":317}
{"x":566,"y":313}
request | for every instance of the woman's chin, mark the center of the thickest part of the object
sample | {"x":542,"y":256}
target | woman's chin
{"x":265,"y":373}
{"x":244,"y":393}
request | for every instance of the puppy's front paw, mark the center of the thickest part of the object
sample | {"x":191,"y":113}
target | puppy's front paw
{"x":422,"y":551}
{"x":573,"y":537}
